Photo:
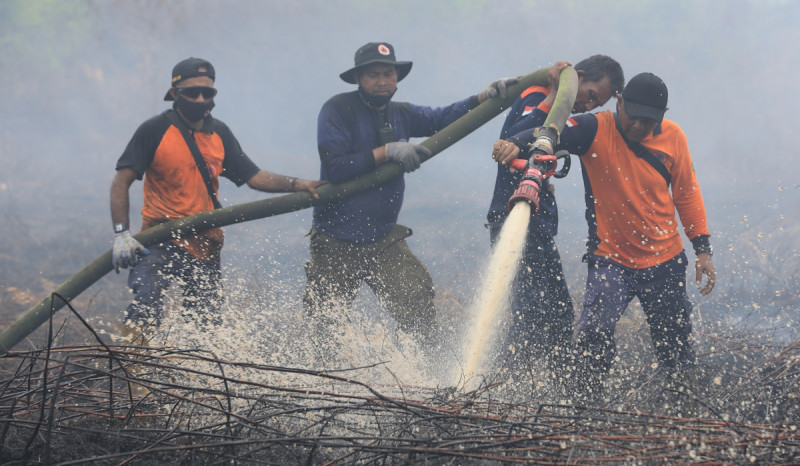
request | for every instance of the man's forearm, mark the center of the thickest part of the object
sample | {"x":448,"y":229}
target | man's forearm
{"x":120,"y":206}
{"x":119,"y":197}
{"x":272,"y":183}
{"x":341,"y":168}
{"x":380,"y":155}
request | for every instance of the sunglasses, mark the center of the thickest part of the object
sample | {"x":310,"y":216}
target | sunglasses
{"x":193,"y":91}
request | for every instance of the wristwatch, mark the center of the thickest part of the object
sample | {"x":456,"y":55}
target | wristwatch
{"x":119,"y":228}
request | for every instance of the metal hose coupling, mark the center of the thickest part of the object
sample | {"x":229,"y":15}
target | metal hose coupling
{"x":546,"y":138}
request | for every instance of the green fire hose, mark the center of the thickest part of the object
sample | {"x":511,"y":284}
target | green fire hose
{"x":90,"y":274}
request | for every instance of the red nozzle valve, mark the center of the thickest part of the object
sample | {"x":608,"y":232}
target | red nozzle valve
{"x":528,"y":191}
{"x":519,"y":164}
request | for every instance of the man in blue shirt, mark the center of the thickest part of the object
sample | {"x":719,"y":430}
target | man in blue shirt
{"x":541,"y":306}
{"x":357,"y":239}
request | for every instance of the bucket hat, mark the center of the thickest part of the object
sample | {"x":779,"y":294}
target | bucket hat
{"x":376,"y":52}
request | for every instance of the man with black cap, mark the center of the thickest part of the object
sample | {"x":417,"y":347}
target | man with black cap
{"x":631,"y":160}
{"x":357,"y":239}
{"x":181,"y":153}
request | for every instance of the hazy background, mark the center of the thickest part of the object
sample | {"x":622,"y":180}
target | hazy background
{"x":78,"y":77}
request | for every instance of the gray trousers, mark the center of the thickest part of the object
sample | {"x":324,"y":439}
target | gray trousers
{"x":399,"y":280}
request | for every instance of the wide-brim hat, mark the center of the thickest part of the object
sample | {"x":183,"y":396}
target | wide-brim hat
{"x":190,"y":68}
{"x":376,"y":52}
{"x":645,"y":96}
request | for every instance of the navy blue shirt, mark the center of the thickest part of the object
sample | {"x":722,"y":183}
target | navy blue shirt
{"x":525,"y":114}
{"x":347,"y":132}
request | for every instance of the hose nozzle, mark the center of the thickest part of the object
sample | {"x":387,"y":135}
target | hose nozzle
{"x":528,"y":190}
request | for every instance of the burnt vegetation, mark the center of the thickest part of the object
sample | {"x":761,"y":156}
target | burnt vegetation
{"x":81,"y":76}
{"x":101,"y":402}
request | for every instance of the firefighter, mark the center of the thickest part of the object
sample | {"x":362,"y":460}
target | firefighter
{"x":181,"y":153}
{"x":358,"y":239}
{"x":637,"y":173}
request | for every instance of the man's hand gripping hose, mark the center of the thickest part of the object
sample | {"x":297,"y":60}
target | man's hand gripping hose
{"x":540,"y":166}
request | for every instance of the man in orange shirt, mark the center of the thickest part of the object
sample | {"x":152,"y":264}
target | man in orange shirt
{"x":175,"y":186}
{"x":541,"y":306}
{"x":637,"y":172}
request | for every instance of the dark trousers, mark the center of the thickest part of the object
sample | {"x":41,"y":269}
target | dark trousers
{"x":399,"y":280}
{"x":166,"y":264}
{"x":541,"y":307}
{"x":661,"y":289}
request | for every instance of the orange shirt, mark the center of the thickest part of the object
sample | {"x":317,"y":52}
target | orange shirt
{"x":173,"y":186}
{"x":633,"y":208}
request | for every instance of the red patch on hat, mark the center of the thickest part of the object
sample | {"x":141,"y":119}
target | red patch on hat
{"x":383,"y":50}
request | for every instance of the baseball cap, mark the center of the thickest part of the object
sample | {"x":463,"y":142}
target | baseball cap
{"x":189,"y":68}
{"x":376,"y":52}
{"x":645,"y":96}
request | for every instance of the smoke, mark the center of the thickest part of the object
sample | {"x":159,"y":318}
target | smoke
{"x":79,"y":77}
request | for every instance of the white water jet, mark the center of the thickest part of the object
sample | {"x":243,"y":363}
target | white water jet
{"x":492,"y":301}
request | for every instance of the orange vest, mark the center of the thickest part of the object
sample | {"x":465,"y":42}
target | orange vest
{"x":633,"y":208}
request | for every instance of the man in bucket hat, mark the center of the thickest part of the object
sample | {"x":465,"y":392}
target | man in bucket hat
{"x":358,"y":240}
{"x":178,"y":184}
{"x":637,"y":172}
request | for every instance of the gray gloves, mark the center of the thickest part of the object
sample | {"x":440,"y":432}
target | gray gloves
{"x":406,"y":154}
{"x":126,"y":250}
{"x":498,"y":88}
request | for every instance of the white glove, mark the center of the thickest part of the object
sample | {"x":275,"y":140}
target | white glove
{"x":126,"y":250}
{"x":406,"y":154}
{"x":498,"y":87}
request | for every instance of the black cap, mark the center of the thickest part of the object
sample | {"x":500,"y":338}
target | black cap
{"x":376,"y":52}
{"x":645,"y":96}
{"x":190,"y":68}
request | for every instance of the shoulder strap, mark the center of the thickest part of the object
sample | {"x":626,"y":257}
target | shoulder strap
{"x":176,"y":120}
{"x":644,"y":153}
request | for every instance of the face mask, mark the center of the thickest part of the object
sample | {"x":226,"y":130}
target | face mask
{"x":193,"y":111}
{"x":375,"y":101}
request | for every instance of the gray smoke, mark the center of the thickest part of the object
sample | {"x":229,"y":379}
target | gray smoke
{"x":79,"y":77}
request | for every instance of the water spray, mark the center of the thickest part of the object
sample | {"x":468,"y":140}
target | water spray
{"x":523,"y":207}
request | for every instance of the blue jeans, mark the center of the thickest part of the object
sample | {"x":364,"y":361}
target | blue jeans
{"x":662,"y":291}
{"x":167,"y":263}
{"x":541,"y":306}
